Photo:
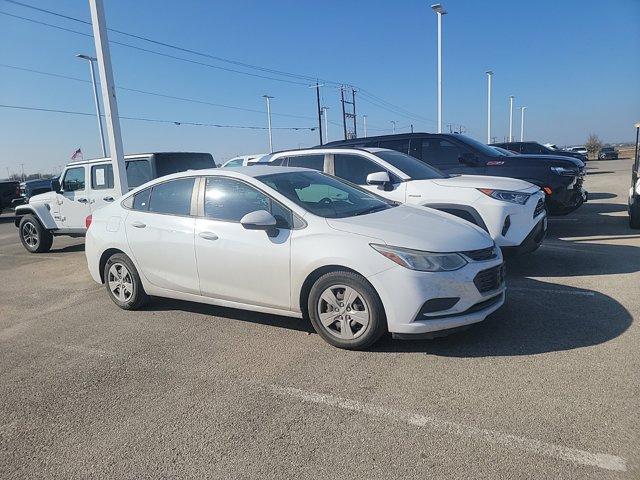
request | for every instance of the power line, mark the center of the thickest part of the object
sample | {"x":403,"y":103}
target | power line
{"x":155,"y":120}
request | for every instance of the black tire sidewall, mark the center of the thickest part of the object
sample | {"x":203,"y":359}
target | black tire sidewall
{"x":634,"y":212}
{"x":45,"y":238}
{"x":139,"y":297}
{"x":377,"y":322}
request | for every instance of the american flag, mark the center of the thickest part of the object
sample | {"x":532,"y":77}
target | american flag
{"x":77,"y":155}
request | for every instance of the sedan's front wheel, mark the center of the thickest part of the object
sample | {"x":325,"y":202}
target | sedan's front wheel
{"x":123,"y":283}
{"x":346,"y":311}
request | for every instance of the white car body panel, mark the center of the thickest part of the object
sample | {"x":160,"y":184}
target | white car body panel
{"x":250,"y":270}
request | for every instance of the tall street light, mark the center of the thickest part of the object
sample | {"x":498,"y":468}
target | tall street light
{"x":95,"y":98}
{"x":364,"y":121}
{"x":393,"y":126}
{"x":440,"y":11}
{"x":522,"y":109}
{"x":326,"y":123}
{"x":511,"y":97}
{"x":268,"y":100}
{"x":489,"y":77}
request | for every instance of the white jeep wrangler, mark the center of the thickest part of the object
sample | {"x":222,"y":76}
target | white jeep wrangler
{"x":87,"y":185}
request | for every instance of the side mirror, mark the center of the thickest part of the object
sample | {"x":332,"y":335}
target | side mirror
{"x":468,"y":158}
{"x":379,"y":178}
{"x":258,"y":220}
{"x":55,"y":185}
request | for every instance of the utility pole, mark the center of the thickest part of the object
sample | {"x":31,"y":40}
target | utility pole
{"x":109,"y":96}
{"x":344,"y":117}
{"x":355,"y":123}
{"x":489,"y":77}
{"x":351,"y":115}
{"x":364,"y":121}
{"x":412,"y":128}
{"x":325,"y":114}
{"x":440,"y":11}
{"x":96,"y":99}
{"x":268,"y":100}
{"x":23,"y":177}
{"x":511,"y":97}
{"x":319,"y":111}
{"x":393,"y":126}
{"x":522,"y":109}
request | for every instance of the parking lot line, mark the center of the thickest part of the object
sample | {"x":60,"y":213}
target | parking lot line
{"x":573,"y":455}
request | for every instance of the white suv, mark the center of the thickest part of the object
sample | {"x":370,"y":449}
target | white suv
{"x":512,"y":211}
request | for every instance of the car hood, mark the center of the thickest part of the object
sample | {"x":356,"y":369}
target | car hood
{"x":552,"y":160}
{"x":416,"y":227}
{"x":481,"y":181}
{"x":45,"y":197}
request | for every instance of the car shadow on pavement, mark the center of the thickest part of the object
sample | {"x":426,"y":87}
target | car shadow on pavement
{"x":537,"y":317}
{"x":290,"y":323}
{"x":7,"y":219}
{"x":79,"y":247}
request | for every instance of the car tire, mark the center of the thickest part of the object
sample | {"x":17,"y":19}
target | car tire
{"x":34,"y":237}
{"x":123,"y":283}
{"x":634,"y":213}
{"x":354,"y":323}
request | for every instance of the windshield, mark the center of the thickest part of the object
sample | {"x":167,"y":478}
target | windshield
{"x":325,"y":196}
{"x":167,"y":163}
{"x":414,"y":168}
{"x":484,"y":149}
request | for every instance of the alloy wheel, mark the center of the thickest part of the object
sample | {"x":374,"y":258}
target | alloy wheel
{"x":30,"y":235}
{"x":120,"y":282}
{"x":343,"y":312}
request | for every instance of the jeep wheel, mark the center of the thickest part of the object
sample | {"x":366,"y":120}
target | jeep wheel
{"x":34,"y":237}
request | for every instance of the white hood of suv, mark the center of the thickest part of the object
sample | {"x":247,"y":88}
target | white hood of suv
{"x":416,"y":227}
{"x":481,"y":181}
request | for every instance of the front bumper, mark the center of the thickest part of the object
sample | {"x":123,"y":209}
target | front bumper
{"x":405,"y":292}
{"x":532,"y":241}
{"x":566,"y":199}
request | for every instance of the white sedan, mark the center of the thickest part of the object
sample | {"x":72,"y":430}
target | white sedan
{"x":511,"y":210}
{"x":296,"y":242}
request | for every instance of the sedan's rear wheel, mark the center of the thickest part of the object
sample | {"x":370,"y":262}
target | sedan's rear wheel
{"x":346,"y":311}
{"x":123,"y":283}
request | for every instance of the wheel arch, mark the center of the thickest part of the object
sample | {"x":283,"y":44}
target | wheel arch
{"x":106,"y":255}
{"x":465,"y":212}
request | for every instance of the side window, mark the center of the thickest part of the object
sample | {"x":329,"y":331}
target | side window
{"x":102,"y":176}
{"x":401,"y":146}
{"x":437,"y":152}
{"x":141,"y":200}
{"x":234,"y":163}
{"x":354,"y":168}
{"x":230,"y":200}
{"x":315,"y":162}
{"x":138,"y":172}
{"x":415,"y":149}
{"x":449,"y":151}
{"x":172,"y":197}
{"x":73,"y":179}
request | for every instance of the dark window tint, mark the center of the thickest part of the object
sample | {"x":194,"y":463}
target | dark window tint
{"x":167,"y":163}
{"x":533,"y":148}
{"x":354,"y":168}
{"x":229,"y":199}
{"x":438,"y":151}
{"x":412,"y":167}
{"x":102,"y":177}
{"x":138,"y":172}
{"x":315,"y":162}
{"x":140,"y":201}
{"x":172,"y":197}
{"x":401,"y":146}
{"x":73,"y":179}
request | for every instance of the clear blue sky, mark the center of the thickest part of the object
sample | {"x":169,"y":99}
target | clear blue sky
{"x":575,"y":65}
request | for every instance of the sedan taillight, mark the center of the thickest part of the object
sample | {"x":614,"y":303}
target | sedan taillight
{"x":87,"y":221}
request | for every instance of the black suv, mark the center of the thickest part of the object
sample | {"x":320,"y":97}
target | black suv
{"x":608,"y":153}
{"x":534,"y":148}
{"x":560,"y":177}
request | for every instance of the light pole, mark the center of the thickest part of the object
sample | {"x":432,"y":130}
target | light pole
{"x":440,"y":11}
{"x":326,"y":123}
{"x":522,"y":109}
{"x":95,"y":98}
{"x":268,"y":100}
{"x":364,"y":121}
{"x":393,"y":126}
{"x":489,"y":77}
{"x":511,"y":97}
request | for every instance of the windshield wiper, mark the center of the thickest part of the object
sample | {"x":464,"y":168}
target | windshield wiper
{"x":373,"y":209}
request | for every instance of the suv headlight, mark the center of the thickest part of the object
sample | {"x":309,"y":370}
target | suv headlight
{"x":422,"y":261}
{"x":564,"y":171}
{"x":506,"y":196}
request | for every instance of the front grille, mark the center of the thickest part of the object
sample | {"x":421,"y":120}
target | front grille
{"x":490,"y":279}
{"x":482,"y":254}
{"x":539,"y":208}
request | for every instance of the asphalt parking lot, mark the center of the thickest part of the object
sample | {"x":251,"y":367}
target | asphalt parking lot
{"x":547,"y":387}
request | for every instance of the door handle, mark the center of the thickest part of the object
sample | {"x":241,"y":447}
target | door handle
{"x":82,"y":200}
{"x":138,"y":224}
{"x":108,"y":199}
{"x":208,"y":235}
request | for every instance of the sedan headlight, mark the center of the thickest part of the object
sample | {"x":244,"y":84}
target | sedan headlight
{"x":564,"y":171}
{"x":422,"y":261}
{"x":506,"y":196}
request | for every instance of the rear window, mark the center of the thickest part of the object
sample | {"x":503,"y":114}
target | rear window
{"x":168,"y":163}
